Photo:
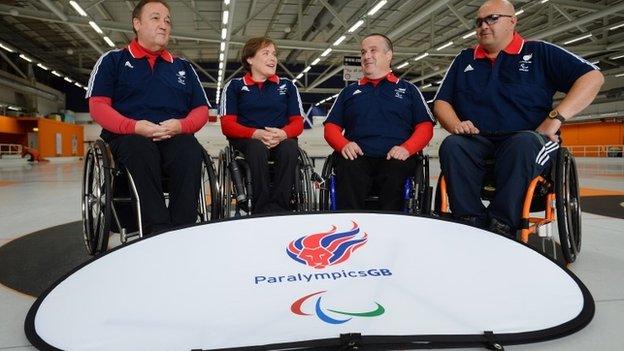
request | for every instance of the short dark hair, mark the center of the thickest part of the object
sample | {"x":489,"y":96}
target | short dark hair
{"x":136,"y":12}
{"x":251,"y":48}
{"x":385,"y":38}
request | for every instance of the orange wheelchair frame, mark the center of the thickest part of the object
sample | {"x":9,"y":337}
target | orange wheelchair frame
{"x":556,"y":195}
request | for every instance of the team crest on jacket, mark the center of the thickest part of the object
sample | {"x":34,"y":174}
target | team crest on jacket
{"x":329,"y":248}
{"x":181,"y":77}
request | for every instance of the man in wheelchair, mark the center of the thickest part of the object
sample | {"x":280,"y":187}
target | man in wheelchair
{"x":496,"y":101}
{"x":385,"y":122}
{"x":149,"y":103}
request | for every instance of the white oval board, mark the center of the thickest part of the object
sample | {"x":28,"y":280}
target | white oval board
{"x":290,"y":279}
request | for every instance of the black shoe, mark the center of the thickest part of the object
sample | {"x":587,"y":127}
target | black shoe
{"x":501,"y":228}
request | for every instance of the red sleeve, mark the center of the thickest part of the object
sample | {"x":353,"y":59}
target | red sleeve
{"x":334,"y":137}
{"x":195,"y":120}
{"x":103,"y":113}
{"x":232,"y":129}
{"x":294,"y":126}
{"x":423,"y":132}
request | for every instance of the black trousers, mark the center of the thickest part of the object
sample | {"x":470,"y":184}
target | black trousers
{"x":517,"y":160}
{"x":178,"y":160}
{"x":355,"y":180}
{"x":285,"y":154}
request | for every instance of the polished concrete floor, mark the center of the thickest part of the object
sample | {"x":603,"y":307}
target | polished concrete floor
{"x":39,"y":196}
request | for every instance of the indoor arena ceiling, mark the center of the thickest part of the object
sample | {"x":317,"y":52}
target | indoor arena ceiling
{"x":426,"y":34}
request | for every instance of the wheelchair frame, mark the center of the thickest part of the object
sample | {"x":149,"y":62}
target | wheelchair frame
{"x":561,"y":203}
{"x":100,"y":174}
{"x":417,"y":189}
{"x":235,"y":190}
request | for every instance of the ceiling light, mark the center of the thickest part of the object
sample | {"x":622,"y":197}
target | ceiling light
{"x":42,"y":67}
{"x":326,"y":52}
{"x":340,"y":40}
{"x":577,"y":39}
{"x":315,"y":61}
{"x":222,"y":46}
{"x":56,"y":73}
{"x":78,"y":85}
{"x":6,"y":48}
{"x":404,"y":64}
{"x":445,"y":46}
{"x":78,"y":9}
{"x":421,"y":56}
{"x":294,"y":81}
{"x":521,"y":11}
{"x":95,"y":27}
{"x":377,"y":7}
{"x":426,"y":86}
{"x":227,"y":2}
{"x":616,"y":57}
{"x":543,"y":1}
{"x":307,"y":69}
{"x":356,"y":26}
{"x":223,"y":33}
{"x":24,"y":57}
{"x":299,"y":76}
{"x":226,"y":16}
{"x":221,"y":65}
{"x":109,"y":42}
{"x":617,"y":26}
{"x":67,"y":79}
{"x":468,"y":35}
{"x":221,"y":57}
{"x":620,"y":75}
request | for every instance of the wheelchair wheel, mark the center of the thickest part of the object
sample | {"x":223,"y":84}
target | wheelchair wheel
{"x":96,"y":198}
{"x":210,"y":202}
{"x":225,"y":183}
{"x":305,"y":192}
{"x":324,"y":190}
{"x":568,"y":205}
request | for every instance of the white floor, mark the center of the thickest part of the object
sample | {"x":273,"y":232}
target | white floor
{"x":34,"y":197}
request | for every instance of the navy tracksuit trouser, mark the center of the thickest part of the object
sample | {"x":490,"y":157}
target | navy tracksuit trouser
{"x":518,"y":158}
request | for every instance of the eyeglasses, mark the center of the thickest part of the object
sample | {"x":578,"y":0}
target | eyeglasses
{"x":490,"y":20}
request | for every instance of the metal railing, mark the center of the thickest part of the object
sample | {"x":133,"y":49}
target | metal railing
{"x":10,"y":149}
{"x":596,"y":150}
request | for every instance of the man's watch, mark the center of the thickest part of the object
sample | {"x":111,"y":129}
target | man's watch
{"x":554,"y":114}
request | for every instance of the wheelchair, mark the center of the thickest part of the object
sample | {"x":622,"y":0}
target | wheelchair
{"x":235,"y":190}
{"x":417,"y":189}
{"x":110,"y":201}
{"x":555,"y":193}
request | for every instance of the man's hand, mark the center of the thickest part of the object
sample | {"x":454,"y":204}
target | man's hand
{"x":549,"y":128}
{"x":278,"y":135}
{"x":398,"y":153}
{"x":264,"y":136}
{"x":464,"y":127}
{"x":351,"y":151}
{"x":171,"y":127}
{"x":148,"y":129}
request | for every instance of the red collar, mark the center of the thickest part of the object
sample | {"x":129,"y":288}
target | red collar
{"x":514,"y":47}
{"x":390,"y":77}
{"x":138,"y":52}
{"x":248,"y":80}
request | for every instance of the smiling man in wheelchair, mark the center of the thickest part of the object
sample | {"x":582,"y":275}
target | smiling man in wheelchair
{"x":497,"y":102}
{"x":149,"y":103}
{"x":386,"y":122}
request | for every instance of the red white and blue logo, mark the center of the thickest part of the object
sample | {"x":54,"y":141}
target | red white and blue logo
{"x":338,"y":316}
{"x":328,"y":248}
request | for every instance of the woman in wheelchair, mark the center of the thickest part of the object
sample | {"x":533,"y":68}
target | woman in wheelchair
{"x":262,"y":115}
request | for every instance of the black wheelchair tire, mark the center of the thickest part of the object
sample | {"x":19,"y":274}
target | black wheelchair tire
{"x":215,"y":198}
{"x":96,"y":198}
{"x":568,"y":206}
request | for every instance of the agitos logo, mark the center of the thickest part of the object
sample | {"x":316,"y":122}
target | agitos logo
{"x":322,"y":315}
{"x":326,"y":249}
